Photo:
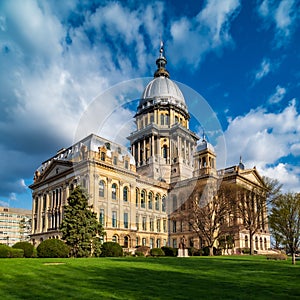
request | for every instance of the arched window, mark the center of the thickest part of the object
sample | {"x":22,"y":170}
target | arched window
{"x":256,"y":243}
{"x":114,"y":191}
{"x":150,"y":200}
{"x":143,"y":195}
{"x":126,"y":241}
{"x":102,"y":156}
{"x":114,"y":239}
{"x":165,"y":151}
{"x":163,"y":203}
{"x":137,"y":193}
{"x":125,"y":194}
{"x":157,"y":200}
{"x":101,"y":188}
{"x":261,"y":243}
{"x":246,"y":242}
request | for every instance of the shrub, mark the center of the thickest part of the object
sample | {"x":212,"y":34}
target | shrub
{"x":16,"y":253}
{"x":139,"y":253}
{"x":245,"y":250}
{"x":279,"y":256}
{"x":194,"y":251}
{"x":169,"y":251}
{"x":27,"y":247}
{"x":111,"y":249}
{"x":6,"y":252}
{"x":53,"y":248}
{"x":144,"y":249}
{"x":157,"y":252}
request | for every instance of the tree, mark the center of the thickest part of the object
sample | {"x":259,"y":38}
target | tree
{"x":273,"y":189}
{"x":80,"y":227}
{"x":208,"y":214}
{"x":250,"y":207}
{"x":285,"y":221}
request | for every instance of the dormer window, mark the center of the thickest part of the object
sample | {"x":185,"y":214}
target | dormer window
{"x":115,"y":160}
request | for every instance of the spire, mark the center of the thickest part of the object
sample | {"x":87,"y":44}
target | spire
{"x":241,"y":165}
{"x":161,"y":63}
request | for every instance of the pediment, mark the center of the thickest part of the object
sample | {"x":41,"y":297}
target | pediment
{"x":252,"y":176}
{"x":55,"y":168}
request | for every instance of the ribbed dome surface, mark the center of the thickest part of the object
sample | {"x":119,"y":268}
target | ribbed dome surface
{"x":162,"y":90}
{"x":163,"y":87}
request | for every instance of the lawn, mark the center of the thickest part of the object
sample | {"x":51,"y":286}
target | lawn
{"x":232,"y":277}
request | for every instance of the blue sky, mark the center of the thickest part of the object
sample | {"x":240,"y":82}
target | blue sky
{"x":243,"y":57}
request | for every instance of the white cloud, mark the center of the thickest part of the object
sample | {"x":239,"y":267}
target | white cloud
{"x":263,"y":139}
{"x":278,"y":95}
{"x":264,"y":70}
{"x":208,"y":31}
{"x":283,"y":14}
{"x":53,"y":66}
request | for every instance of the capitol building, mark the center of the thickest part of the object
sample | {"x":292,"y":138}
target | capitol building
{"x":143,"y":196}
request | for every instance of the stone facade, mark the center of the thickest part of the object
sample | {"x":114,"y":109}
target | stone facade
{"x":143,"y":197}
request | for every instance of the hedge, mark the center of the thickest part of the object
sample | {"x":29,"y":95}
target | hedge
{"x":157,"y":252}
{"x":8,"y":252}
{"x":169,"y":251}
{"x":111,"y":249}
{"x":27,"y":247}
{"x":53,"y":248}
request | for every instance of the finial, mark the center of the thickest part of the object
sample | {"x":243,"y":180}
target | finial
{"x":203,"y":135}
{"x":161,"y":50}
{"x":161,"y":63}
{"x":241,"y":159}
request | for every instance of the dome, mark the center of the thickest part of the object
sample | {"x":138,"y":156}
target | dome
{"x":163,"y":87}
{"x":162,"y":90}
{"x":205,"y":145}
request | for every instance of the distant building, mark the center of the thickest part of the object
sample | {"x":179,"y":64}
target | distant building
{"x":141,"y":197}
{"x":15,"y":225}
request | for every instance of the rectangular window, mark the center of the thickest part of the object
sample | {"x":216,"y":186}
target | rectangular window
{"x":137,"y":222}
{"x":151,"y":225}
{"x":151,"y":243}
{"x":165,"y":225}
{"x":101,"y":217}
{"x":114,"y":219}
{"x":181,"y":226}
{"x":162,"y":119}
{"x":174,"y":243}
{"x":174,"y":226}
{"x":158,"y":225}
{"x":125,"y":220}
{"x":115,"y":160}
{"x":158,"y":243}
{"x":126,"y":164}
{"x":103,"y":156}
{"x":144,"y":223}
{"x":143,"y":241}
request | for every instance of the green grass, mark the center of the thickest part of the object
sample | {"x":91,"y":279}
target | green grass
{"x":232,"y":277}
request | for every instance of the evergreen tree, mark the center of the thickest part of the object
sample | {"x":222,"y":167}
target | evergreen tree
{"x":80,"y":227}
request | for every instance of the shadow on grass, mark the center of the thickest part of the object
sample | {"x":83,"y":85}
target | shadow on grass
{"x":150,"y":278}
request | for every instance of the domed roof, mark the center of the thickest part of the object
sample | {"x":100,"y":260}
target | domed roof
{"x":161,"y":89}
{"x":205,"y":145}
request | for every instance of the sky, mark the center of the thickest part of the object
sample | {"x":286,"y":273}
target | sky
{"x":57,"y":57}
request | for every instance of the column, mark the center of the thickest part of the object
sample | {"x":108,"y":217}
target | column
{"x":144,"y":150}
{"x":139,"y":154}
{"x":152,"y":145}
